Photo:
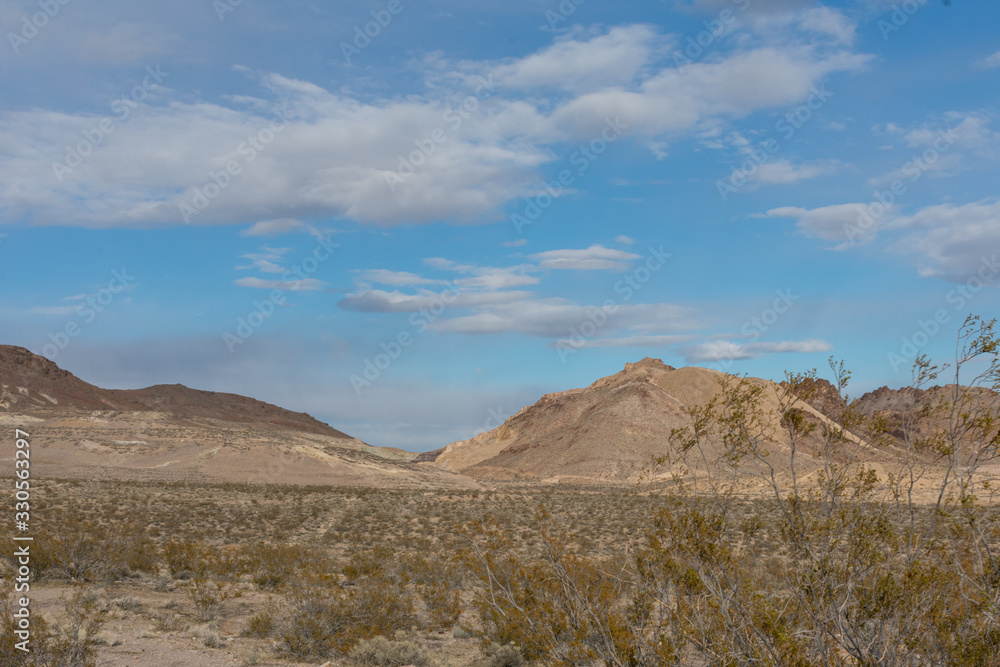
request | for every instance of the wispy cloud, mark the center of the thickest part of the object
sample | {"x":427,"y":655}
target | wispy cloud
{"x":724,"y":350}
{"x":596,"y":257}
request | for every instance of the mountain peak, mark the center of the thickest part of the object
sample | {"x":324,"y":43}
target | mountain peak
{"x":649,"y":362}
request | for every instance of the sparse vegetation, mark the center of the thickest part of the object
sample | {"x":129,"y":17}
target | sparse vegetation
{"x":834,"y":561}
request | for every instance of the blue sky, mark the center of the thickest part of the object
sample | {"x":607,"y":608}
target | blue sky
{"x":411,"y":219}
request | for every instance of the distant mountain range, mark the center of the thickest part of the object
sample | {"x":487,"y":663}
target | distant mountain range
{"x":608,"y":432}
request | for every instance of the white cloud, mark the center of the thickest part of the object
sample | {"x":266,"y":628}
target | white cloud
{"x":266,"y":261}
{"x":845,"y":223}
{"x":333,"y":153}
{"x":273,"y":227}
{"x":678,"y":99}
{"x":624,"y":240}
{"x":583,"y":63}
{"x":830,"y":22}
{"x":627,"y":341}
{"x":724,"y":350}
{"x":492,"y":278}
{"x":949,"y":241}
{"x":952,"y":242}
{"x":785,"y":171}
{"x":596,"y":257}
{"x":555,"y":318}
{"x":305,"y":285}
{"x":380,"y":301}
{"x":989,"y":62}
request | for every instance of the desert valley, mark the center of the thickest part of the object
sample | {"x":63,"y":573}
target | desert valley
{"x":601,"y":525}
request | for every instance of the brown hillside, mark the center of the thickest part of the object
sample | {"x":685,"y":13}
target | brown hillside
{"x":174,"y":433}
{"x":607,"y":432}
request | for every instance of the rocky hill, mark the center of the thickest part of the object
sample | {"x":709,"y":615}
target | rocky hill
{"x":173,"y":433}
{"x":607,"y":432}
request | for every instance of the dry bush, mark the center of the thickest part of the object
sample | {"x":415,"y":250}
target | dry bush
{"x":506,"y":655}
{"x":382,"y":652}
{"x":323,"y":620}
{"x":208,"y":634}
{"x":208,"y":596}
{"x":272,"y":565}
{"x":443,"y":602}
{"x":10,"y":655}
{"x":849,"y":569}
{"x":85,"y":551}
{"x":564,"y":606}
{"x":186,"y":559}
{"x":259,"y":625}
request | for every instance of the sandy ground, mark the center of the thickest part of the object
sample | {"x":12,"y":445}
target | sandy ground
{"x":135,"y":639}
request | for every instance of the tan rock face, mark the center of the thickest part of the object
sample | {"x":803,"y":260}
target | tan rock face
{"x":607,"y":432}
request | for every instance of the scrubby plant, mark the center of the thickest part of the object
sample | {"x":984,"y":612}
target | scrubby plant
{"x":850,"y":568}
{"x":259,"y":625}
{"x":506,"y":655}
{"x":382,"y":652}
{"x":323,"y":618}
{"x":209,"y":595}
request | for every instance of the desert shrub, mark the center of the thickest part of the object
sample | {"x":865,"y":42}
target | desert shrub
{"x":208,"y":634}
{"x":321,"y":620}
{"x":10,"y":655}
{"x":270,"y":565}
{"x":126,"y":603}
{"x":562,"y":607}
{"x":506,"y":655}
{"x":366,"y":562}
{"x":208,"y":596}
{"x":382,"y":652}
{"x":443,"y":603}
{"x":259,"y":625}
{"x":85,"y":551}
{"x":186,"y":559}
{"x":169,"y":621}
{"x":72,"y":645}
{"x":309,"y":627}
{"x":849,"y":569}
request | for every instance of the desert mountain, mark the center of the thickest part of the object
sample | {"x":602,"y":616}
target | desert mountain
{"x":173,"y":433}
{"x":921,"y":412}
{"x":607,"y":432}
